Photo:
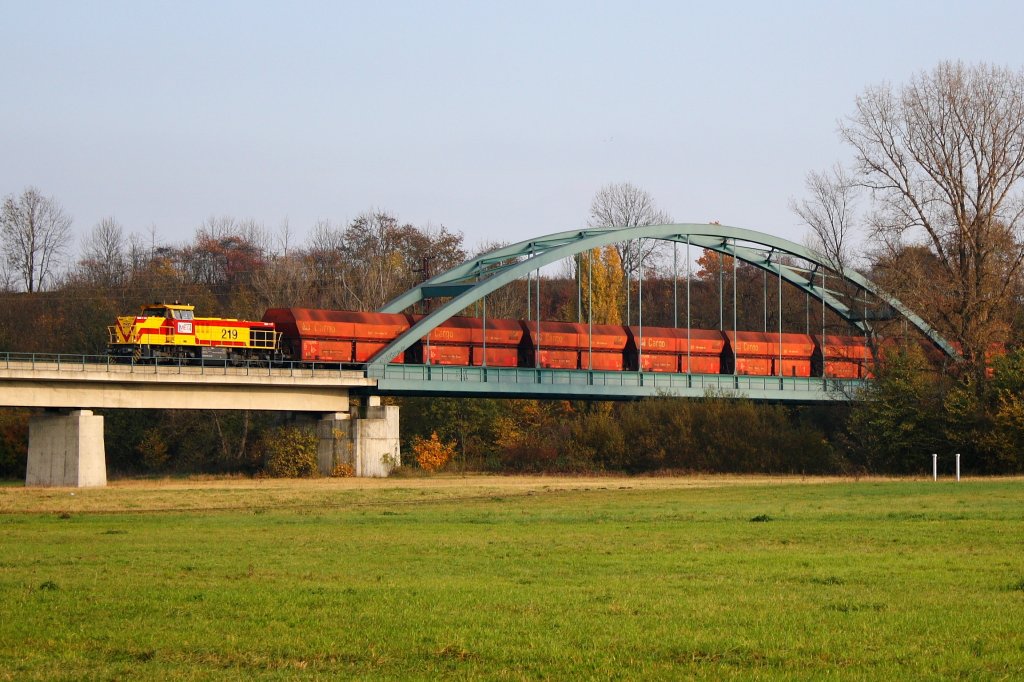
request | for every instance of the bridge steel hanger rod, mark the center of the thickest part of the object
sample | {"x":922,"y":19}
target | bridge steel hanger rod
{"x":469,"y":282}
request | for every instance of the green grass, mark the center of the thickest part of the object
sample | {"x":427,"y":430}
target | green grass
{"x":621,"y":579}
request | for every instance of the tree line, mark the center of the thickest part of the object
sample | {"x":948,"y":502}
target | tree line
{"x":931,"y":208}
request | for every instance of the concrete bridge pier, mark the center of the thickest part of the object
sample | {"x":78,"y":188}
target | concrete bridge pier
{"x":66,"y":450}
{"x":365,"y":441}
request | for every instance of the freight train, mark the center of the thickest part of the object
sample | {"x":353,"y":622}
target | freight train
{"x":349,"y":338}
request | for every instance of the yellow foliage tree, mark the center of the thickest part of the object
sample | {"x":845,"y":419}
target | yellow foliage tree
{"x":431,"y":453}
{"x":601,"y":281}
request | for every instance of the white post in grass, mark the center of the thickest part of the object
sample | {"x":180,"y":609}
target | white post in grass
{"x":935,"y":467}
{"x":958,"y":467}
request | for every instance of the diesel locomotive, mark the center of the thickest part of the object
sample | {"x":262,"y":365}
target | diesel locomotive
{"x":172,"y":331}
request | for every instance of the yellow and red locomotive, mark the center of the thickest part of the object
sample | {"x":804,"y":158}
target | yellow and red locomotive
{"x":170,"y":330}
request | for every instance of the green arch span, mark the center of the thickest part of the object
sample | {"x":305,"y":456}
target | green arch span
{"x":467,"y":283}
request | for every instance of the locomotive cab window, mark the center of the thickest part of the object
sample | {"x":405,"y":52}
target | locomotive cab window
{"x":182,"y":314}
{"x":155,"y":312}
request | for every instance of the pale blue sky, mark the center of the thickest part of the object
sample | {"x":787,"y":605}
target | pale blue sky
{"x":498,"y":120}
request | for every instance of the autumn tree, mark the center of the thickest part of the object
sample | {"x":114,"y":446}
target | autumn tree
{"x":385,"y":256}
{"x":35,"y":232}
{"x":531,"y":434}
{"x":942,"y":161}
{"x":599,"y":272}
{"x":375,"y":258}
{"x":223,"y":253}
{"x":223,"y":259}
{"x":712,"y":264}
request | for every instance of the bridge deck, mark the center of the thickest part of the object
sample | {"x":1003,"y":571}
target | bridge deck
{"x":595,"y":385}
{"x":91,"y":382}
{"x":84,"y":375}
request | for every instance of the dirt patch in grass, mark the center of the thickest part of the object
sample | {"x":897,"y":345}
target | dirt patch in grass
{"x":211,"y":493}
{"x":236,"y":493}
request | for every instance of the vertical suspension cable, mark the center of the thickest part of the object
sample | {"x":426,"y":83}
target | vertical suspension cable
{"x":529,"y":295}
{"x":629,"y":281}
{"x":867,"y":335}
{"x":721,"y":291}
{"x":780,"y":316}
{"x":764,"y":277}
{"x":823,"y":286}
{"x":579,"y":288}
{"x":640,"y":310}
{"x":590,"y":311}
{"x":538,"y":316}
{"x":734,"y":352}
{"x":675,"y":284}
{"x":483,"y":300}
{"x":688,"y":366}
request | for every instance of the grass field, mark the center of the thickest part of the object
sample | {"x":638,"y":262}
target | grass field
{"x":514,"y":578}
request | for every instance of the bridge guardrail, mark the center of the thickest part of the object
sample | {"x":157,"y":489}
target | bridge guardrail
{"x":654,"y":381}
{"x":106,"y":363}
{"x":506,"y":379}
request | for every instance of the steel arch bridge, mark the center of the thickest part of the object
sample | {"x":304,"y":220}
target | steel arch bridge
{"x":470,"y":282}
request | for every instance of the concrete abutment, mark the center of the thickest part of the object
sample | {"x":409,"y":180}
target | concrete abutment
{"x":365,"y":442}
{"x":66,"y":450}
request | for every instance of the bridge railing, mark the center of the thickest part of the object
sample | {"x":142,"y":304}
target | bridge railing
{"x":511,"y":378}
{"x":64,"y":362}
{"x":413,"y":379}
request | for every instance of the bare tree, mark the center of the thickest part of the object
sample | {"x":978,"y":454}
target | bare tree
{"x":35,"y":234}
{"x":325,"y":260}
{"x":283,"y":281}
{"x":626,"y":205}
{"x":103,"y":254}
{"x":283,"y":240}
{"x":139,"y":251}
{"x":509,"y":300}
{"x":830,"y":212}
{"x":7,"y":279}
{"x":943,"y":160}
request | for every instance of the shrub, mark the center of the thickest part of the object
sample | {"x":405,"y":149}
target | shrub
{"x":153,"y":450}
{"x":290,"y":452}
{"x":343,"y":470}
{"x":431,"y":453}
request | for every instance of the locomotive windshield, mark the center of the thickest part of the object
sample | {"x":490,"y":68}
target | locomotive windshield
{"x":154,"y":312}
